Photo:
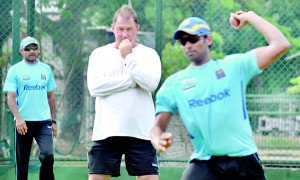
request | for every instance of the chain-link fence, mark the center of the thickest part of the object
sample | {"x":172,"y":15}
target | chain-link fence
{"x":69,"y":30}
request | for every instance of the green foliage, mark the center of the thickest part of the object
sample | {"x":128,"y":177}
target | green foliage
{"x":4,"y":59}
{"x":295,"y":89}
{"x":217,"y":46}
{"x":174,"y":16}
{"x":102,"y":13}
{"x":229,"y":4}
{"x":173,"y":60}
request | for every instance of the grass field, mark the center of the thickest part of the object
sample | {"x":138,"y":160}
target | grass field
{"x":167,"y":173}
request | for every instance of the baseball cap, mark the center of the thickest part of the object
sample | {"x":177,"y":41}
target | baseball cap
{"x":193,"y":26}
{"x":28,"y":40}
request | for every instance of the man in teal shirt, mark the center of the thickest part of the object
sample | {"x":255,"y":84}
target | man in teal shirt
{"x":209,"y":95}
{"x":30,"y":88}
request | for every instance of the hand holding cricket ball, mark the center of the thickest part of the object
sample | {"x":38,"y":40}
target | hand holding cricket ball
{"x":237,"y":20}
{"x":163,"y":142}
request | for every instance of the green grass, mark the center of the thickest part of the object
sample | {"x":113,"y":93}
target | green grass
{"x":171,"y":173}
{"x":78,"y":173}
{"x":277,"y":142}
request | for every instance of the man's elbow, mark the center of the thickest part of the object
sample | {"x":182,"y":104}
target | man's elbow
{"x":92,"y":90}
{"x":285,"y":46}
{"x":92,"y":93}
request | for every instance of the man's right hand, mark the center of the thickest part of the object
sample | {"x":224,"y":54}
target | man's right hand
{"x":21,"y":126}
{"x":125,"y":47}
{"x":163,"y":142}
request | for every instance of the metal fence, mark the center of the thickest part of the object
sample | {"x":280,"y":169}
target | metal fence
{"x":69,"y":30}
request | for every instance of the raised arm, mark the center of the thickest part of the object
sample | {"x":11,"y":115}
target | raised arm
{"x":277,"y":42}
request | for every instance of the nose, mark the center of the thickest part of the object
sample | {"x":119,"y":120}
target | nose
{"x":187,"y":45}
{"x":124,"y":34}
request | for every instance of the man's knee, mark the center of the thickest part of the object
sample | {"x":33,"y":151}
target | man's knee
{"x":46,"y":158}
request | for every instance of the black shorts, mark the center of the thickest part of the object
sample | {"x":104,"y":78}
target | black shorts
{"x":105,"y":157}
{"x":225,"y":167}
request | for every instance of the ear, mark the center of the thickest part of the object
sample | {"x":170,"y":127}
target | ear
{"x":21,"y":51}
{"x":209,"y":40}
{"x":138,"y":26}
{"x":112,"y":26}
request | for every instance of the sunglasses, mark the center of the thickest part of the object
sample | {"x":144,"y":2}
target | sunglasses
{"x":28,"y":48}
{"x":192,"y":39}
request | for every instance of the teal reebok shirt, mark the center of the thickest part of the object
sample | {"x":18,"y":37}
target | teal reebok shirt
{"x":210,"y":100}
{"x":31,"y":82}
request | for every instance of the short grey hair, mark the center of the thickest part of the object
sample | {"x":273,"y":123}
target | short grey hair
{"x":126,"y":12}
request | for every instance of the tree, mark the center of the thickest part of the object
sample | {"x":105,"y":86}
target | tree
{"x":5,"y":30}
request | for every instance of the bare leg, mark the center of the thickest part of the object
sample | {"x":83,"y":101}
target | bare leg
{"x":148,"y":177}
{"x":99,"y":177}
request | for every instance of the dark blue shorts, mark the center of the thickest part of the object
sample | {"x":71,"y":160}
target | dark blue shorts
{"x":225,"y":167}
{"x":105,"y":157}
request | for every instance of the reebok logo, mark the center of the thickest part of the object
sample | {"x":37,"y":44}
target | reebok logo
{"x":210,"y":99}
{"x":35,"y":87}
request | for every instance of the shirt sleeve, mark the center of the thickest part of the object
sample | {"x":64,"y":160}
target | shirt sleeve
{"x":10,"y":81}
{"x":103,"y":78}
{"x":246,"y":64}
{"x":145,"y":68}
{"x":51,"y":83}
{"x":165,"y":100}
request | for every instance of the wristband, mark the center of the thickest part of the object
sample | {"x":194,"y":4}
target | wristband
{"x":53,"y":121}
